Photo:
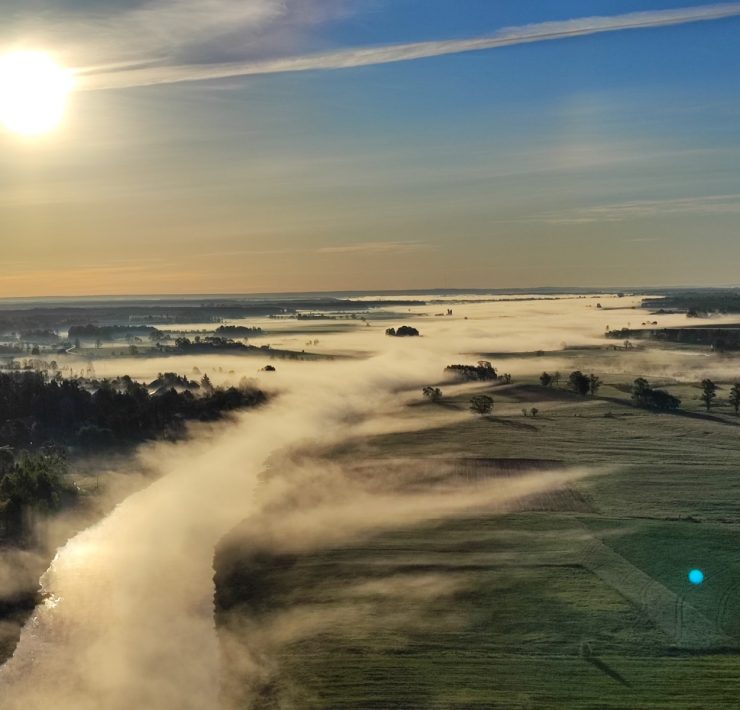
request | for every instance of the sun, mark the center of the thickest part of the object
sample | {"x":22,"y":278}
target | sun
{"x":33,"y":92}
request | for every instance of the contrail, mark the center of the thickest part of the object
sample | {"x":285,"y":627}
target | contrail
{"x":358,"y":57}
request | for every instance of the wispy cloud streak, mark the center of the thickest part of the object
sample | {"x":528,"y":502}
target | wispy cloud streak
{"x":358,"y":57}
{"x":646,"y":209}
{"x":375,"y":248}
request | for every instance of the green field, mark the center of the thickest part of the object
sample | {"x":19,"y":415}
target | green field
{"x":561,"y":607}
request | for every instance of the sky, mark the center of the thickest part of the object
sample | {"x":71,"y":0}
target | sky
{"x":240,"y":146}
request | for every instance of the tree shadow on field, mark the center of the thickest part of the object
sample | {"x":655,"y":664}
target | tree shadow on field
{"x":511,"y":423}
{"x":701,"y":416}
{"x":448,"y":405}
{"x":604,"y":668}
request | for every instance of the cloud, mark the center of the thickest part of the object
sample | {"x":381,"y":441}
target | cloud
{"x":375,"y":248}
{"x":112,"y":37}
{"x":646,"y":209}
{"x":357,"y":57}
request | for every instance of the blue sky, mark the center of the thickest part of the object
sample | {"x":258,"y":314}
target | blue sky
{"x":607,"y":159}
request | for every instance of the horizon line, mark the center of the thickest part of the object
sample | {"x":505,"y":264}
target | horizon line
{"x":516,"y":290}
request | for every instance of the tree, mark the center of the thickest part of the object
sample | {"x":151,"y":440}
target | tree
{"x":546,"y":379}
{"x":556,"y":377}
{"x":709,"y":392}
{"x":7,"y":459}
{"x":404,"y":331}
{"x":481,"y":404}
{"x":535,"y":411}
{"x":433,"y":394}
{"x":506,"y":378}
{"x":594,"y":383}
{"x":644,"y":395}
{"x":206,"y":384}
{"x":35,"y":482}
{"x":640,"y":391}
{"x":735,"y":397}
{"x":579,"y":383}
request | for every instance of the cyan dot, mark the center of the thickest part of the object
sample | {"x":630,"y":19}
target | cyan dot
{"x":696,"y":576}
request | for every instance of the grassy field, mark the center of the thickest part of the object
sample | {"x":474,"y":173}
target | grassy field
{"x":589,"y":608}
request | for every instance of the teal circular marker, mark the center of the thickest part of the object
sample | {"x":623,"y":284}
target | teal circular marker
{"x":696,"y":576}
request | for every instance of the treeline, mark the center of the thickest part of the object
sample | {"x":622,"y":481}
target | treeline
{"x":472,"y":373}
{"x":719,"y":338}
{"x":238,"y":331}
{"x":209,"y":343}
{"x":35,"y":410}
{"x":696,"y":303}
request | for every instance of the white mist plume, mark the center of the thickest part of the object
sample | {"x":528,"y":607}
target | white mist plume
{"x":129,"y":617}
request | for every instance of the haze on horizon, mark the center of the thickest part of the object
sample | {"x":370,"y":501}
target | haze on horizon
{"x":322,"y":145}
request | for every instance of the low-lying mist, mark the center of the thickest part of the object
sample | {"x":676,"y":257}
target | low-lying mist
{"x":128,"y":616}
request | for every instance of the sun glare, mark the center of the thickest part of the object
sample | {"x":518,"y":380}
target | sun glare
{"x":33,"y":92}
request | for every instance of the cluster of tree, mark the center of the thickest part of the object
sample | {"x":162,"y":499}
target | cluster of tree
{"x":237,"y":331}
{"x":31,"y":484}
{"x":548,"y":379}
{"x":10,"y":349}
{"x":39,"y":335}
{"x":719,"y":337}
{"x":34,"y":410}
{"x":622,"y":333}
{"x":171,"y":380}
{"x":212,"y":342}
{"x":584,"y":384}
{"x":470,"y":373}
{"x":33,"y":364}
{"x":433,"y":394}
{"x":709,"y":394}
{"x":646,"y":396}
{"x":315,"y":316}
{"x":404,"y":331}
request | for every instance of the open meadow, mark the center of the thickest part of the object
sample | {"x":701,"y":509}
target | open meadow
{"x":577,"y":597}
